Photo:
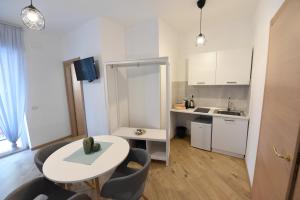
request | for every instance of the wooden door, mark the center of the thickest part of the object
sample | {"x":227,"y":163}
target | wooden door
{"x":281,"y":109}
{"x":78,"y":103}
{"x":75,"y":100}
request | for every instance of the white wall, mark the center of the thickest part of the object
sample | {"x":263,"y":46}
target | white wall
{"x":47,"y":114}
{"x":143,"y":82}
{"x":112,"y":40}
{"x":168,"y":47}
{"x":265,"y":11}
{"x":142,"y":40}
{"x":113,"y":48}
{"x":102,"y":39}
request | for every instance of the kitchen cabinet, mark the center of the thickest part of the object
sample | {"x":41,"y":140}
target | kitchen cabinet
{"x":229,"y":67}
{"x":202,"y":69}
{"x":229,"y":136}
{"x":234,"y":67}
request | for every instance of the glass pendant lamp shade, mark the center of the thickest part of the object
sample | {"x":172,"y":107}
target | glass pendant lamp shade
{"x":33,"y":18}
{"x":200,"y":40}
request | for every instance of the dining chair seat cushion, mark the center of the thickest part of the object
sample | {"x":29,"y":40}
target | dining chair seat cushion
{"x":123,"y":172}
{"x":41,"y":197}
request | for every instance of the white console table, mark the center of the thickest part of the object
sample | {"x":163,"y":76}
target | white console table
{"x":156,"y":141}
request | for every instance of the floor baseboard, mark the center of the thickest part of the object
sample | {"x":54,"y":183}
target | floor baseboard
{"x":51,"y":142}
{"x":17,"y":150}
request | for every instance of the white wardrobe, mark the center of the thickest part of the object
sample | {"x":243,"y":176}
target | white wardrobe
{"x":138,"y":96}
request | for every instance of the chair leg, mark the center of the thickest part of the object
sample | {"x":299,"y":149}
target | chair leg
{"x":97,"y":187}
{"x":144,"y":197}
{"x":67,"y":186}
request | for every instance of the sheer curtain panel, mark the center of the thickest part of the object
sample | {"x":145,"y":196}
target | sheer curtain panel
{"x":12,"y":83}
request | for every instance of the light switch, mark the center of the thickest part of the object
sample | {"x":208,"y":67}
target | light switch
{"x":34,"y":108}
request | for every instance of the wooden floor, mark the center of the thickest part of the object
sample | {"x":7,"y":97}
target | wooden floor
{"x":192,"y":174}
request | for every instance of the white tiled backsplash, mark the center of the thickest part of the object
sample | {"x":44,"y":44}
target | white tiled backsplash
{"x":212,"y":96}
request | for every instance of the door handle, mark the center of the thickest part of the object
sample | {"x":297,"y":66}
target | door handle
{"x":279,"y":155}
{"x":231,"y":82}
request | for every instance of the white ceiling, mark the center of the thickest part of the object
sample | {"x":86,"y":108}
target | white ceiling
{"x":183,"y":15}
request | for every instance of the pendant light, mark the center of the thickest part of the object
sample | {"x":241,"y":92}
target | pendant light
{"x":200,"y":40}
{"x":33,"y":18}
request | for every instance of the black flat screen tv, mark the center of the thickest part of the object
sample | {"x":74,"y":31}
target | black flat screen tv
{"x":86,"y":69}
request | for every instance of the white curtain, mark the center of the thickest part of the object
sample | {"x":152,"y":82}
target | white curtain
{"x":12,"y":83}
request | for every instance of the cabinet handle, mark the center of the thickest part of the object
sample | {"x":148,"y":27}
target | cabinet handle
{"x":228,"y":120}
{"x":279,"y":155}
{"x":200,"y":83}
{"x":231,"y":82}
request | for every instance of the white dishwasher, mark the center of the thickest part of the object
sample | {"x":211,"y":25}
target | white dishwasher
{"x":201,"y":134}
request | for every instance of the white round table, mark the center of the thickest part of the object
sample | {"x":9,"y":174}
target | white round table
{"x":58,"y":170}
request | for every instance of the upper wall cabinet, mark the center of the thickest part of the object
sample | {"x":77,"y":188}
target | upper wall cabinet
{"x":202,"y":69}
{"x":230,"y":67}
{"x":234,"y":67}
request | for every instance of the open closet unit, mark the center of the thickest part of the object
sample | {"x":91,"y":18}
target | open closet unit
{"x":138,"y":97}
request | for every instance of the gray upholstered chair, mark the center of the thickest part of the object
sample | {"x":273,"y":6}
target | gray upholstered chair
{"x":41,"y":156}
{"x":42,"y":186}
{"x":128,"y":183}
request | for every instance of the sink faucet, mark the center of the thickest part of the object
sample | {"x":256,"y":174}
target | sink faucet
{"x":229,"y":104}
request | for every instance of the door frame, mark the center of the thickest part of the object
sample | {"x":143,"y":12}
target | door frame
{"x":295,"y":175}
{"x":70,"y":96}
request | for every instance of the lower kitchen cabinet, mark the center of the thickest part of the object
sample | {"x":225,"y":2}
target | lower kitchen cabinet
{"x":229,"y":136}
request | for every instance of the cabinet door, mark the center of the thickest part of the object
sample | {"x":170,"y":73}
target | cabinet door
{"x":201,"y":135}
{"x":202,"y":69}
{"x":234,"y":67}
{"x":230,"y":135}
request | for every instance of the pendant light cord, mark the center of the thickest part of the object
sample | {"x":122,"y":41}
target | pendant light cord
{"x":30,"y":2}
{"x":200,"y":20}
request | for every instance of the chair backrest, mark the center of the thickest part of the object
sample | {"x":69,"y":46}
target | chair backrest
{"x":129,"y":187}
{"x":41,"y":156}
{"x":41,"y":187}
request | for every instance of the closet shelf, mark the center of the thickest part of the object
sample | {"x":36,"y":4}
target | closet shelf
{"x":157,"y":150}
{"x":158,"y":135}
{"x":159,"y":156}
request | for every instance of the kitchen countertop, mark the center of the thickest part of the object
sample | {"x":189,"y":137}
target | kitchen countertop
{"x":212,"y":113}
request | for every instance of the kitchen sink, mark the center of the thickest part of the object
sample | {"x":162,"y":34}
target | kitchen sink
{"x":202,"y":110}
{"x":225,"y":112}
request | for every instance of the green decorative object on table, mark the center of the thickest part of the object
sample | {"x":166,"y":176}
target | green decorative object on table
{"x":89,"y":146}
{"x":96,"y":147}
{"x":91,"y":140}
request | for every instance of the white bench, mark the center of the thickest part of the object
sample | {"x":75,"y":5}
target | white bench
{"x":156,"y":140}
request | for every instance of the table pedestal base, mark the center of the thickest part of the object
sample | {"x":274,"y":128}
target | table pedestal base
{"x":94,"y":184}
